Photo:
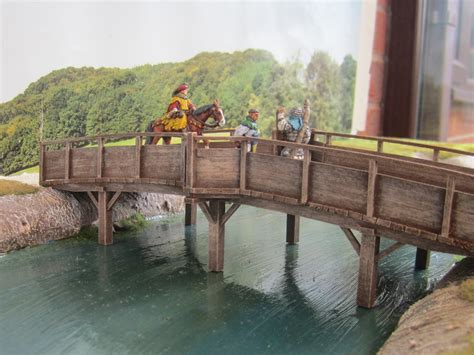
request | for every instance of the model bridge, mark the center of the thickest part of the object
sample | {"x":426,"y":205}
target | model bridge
{"x":421,"y":202}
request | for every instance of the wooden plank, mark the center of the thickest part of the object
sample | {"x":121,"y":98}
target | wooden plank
{"x":243,"y":167}
{"x":216,"y":236}
{"x":230,"y":212}
{"x":41,"y":163}
{"x":435,"y":154}
{"x":190,"y":161}
{"x":119,"y":162}
{"x":380,"y":146}
{"x":114,"y":199}
{"x":161,"y":162}
{"x":54,"y":164}
{"x":93,"y":199}
{"x":207,"y":212}
{"x":462,"y":217}
{"x":292,"y":229}
{"x":83,"y":163}
{"x":448,"y":206}
{"x":352,"y":239}
{"x":305,"y":177}
{"x":371,"y":186}
{"x":100,"y":152}
{"x":138,"y":150}
{"x":67,"y":161}
{"x":263,"y":176}
{"x":422,"y":261}
{"x":367,"y":285}
{"x":183,"y":159}
{"x":409,"y":203}
{"x":105,"y":220}
{"x":219,"y":169}
{"x":389,"y":250}
{"x":336,"y":186}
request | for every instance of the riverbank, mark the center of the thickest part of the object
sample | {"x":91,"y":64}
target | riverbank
{"x":49,"y":214}
{"x":442,"y":322}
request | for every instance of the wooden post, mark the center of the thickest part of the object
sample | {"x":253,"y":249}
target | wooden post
{"x":100,"y":156}
{"x":448,"y":206}
{"x":41,"y":163}
{"x":422,"y":260}
{"x":138,"y":151}
{"x":190,"y":214}
{"x":371,"y":187}
{"x":67,"y":160}
{"x":216,"y":235}
{"x":243,"y":165}
{"x":367,"y":286}
{"x":292,"y":229}
{"x":190,"y":160}
{"x":305,"y":177}
{"x":380,"y":146}
{"x":105,"y":220}
{"x":435,"y":154}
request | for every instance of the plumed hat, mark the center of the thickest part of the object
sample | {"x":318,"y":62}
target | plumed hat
{"x":180,"y":88}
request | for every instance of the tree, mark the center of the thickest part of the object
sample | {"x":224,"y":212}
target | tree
{"x":348,"y":71}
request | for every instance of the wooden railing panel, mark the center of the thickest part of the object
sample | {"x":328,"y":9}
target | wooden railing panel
{"x":83,"y":163}
{"x":398,"y":168}
{"x":462,"y":220}
{"x":264,"y":149}
{"x":338,"y":187}
{"x":54,"y":164}
{"x":217,"y":168}
{"x":274,"y":174}
{"x":161,"y":162}
{"x":119,"y":162}
{"x":410,"y":203}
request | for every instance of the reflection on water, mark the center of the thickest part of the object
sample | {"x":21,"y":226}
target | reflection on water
{"x":150,"y":292}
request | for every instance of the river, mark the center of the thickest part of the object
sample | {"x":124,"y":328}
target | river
{"x":150,"y":293}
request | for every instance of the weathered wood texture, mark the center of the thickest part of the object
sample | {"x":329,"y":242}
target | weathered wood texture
{"x":338,"y":187}
{"x":367,"y":286}
{"x":190,"y":214}
{"x":426,"y":205}
{"x":292,"y":229}
{"x":216,"y":235}
{"x":105,"y":220}
{"x":274,"y":174}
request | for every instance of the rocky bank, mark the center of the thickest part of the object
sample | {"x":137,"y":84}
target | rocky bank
{"x":51,"y":214}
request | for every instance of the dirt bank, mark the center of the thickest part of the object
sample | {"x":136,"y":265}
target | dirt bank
{"x":51,"y":214}
{"x":442,"y":322}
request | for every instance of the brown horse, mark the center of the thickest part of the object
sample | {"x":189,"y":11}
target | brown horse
{"x":196,"y":122}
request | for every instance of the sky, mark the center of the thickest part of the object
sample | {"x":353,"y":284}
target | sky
{"x":37,"y":37}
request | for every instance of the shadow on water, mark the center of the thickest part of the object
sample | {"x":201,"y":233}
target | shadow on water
{"x":150,"y":292}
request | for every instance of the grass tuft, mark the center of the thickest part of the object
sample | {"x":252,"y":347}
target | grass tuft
{"x":467,"y":290}
{"x":10,"y":187}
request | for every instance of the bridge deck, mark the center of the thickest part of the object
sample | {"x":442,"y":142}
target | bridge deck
{"x":419,"y":202}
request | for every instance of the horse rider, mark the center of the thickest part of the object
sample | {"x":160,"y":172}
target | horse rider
{"x":175,"y":118}
{"x":289,"y":128}
{"x":248,"y":128}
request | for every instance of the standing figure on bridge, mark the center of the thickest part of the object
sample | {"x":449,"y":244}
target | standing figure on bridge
{"x":175,"y":118}
{"x":248,"y":128}
{"x":290,"y":127}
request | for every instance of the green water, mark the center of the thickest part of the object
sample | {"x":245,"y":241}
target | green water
{"x":150,"y":293}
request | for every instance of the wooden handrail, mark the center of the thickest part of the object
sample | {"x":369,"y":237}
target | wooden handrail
{"x":112,"y":136}
{"x":393,"y":141}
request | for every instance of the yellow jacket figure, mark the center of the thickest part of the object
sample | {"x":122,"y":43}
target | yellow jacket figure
{"x":175,"y":118}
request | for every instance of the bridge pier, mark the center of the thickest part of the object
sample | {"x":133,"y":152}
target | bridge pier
{"x":217,"y":217}
{"x":368,"y":263}
{"x":422,"y":261}
{"x":104,"y":206}
{"x":292,"y":229}
{"x":190,"y":214}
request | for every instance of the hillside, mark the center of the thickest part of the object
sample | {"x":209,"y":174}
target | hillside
{"x":76,"y":102}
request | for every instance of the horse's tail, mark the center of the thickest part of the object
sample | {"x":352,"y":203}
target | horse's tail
{"x":149,"y":128}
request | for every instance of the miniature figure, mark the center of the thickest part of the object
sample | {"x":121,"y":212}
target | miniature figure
{"x":248,"y":128}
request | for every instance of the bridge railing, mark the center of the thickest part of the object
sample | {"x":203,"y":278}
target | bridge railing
{"x":72,"y":161}
{"x":433,"y":152}
{"x":421,"y":199}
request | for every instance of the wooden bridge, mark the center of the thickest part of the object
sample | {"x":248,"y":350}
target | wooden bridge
{"x":424,"y":203}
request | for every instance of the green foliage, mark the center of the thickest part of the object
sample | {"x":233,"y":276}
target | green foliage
{"x":133,"y":223}
{"x":86,"y":101}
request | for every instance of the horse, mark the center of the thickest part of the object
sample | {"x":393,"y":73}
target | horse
{"x":196,"y":122}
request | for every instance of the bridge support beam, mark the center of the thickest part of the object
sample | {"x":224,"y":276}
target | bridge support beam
{"x":104,"y":206}
{"x":422,"y":260}
{"x":368,"y":262}
{"x":190,"y":214}
{"x":217,"y":217}
{"x":292,"y":229}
